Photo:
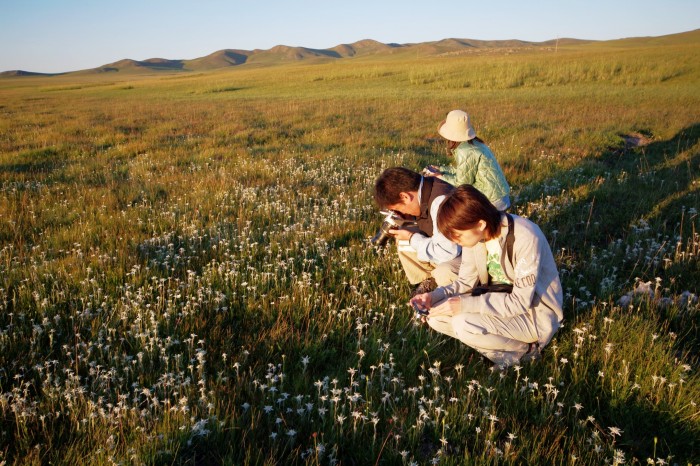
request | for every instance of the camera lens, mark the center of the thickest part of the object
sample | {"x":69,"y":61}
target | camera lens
{"x":380,"y":239}
{"x":382,"y":236}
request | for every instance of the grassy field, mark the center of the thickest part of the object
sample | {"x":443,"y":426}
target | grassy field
{"x":186,"y":276}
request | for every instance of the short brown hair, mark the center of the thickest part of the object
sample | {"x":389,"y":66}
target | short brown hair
{"x":392,"y":182}
{"x":463,"y":209}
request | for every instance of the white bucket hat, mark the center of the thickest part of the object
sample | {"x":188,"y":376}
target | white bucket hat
{"x":457,"y":127}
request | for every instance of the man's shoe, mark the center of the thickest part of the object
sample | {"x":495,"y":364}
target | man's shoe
{"x":426,"y":286}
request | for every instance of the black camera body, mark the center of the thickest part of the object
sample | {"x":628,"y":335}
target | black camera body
{"x":392,"y":221}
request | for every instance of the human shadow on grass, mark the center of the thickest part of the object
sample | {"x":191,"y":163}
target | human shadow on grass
{"x":650,"y":187}
{"x":37,"y":163}
{"x":650,"y":182}
{"x":627,"y":190}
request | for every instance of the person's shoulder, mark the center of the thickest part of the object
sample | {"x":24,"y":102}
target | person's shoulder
{"x":526,"y":224}
{"x":437,"y":201}
{"x":475,"y":150}
{"x":467,"y":147}
{"x":521,"y":220}
{"x":442,"y":187}
{"x":483,"y":148}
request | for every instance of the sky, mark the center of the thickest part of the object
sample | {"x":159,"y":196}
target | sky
{"x":53,"y":36}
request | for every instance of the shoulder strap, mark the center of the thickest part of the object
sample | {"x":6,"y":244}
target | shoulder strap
{"x":510,"y":239}
{"x":425,"y":195}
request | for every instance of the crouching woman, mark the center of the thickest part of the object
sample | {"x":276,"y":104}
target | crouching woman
{"x":498,"y":250}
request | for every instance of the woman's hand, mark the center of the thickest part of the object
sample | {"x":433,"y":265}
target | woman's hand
{"x":431,"y":170}
{"x":421,"y":304}
{"x":422,"y":301}
{"x":447,"y":308}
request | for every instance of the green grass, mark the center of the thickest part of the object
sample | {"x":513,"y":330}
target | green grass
{"x":173,"y":247}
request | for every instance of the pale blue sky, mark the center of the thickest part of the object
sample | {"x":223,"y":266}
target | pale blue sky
{"x":69,"y":35}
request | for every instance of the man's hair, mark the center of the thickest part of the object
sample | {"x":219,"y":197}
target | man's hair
{"x":392,"y":182}
{"x":463,"y":209}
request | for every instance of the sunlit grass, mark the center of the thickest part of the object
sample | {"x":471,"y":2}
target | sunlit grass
{"x":186,"y":276}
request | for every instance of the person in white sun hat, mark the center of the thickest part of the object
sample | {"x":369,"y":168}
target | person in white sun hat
{"x":474,"y":163}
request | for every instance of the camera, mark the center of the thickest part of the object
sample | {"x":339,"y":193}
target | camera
{"x":392,"y":221}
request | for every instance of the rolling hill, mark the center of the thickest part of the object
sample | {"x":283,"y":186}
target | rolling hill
{"x":285,"y":54}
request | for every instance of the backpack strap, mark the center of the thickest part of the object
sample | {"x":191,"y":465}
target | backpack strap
{"x":510,"y":239}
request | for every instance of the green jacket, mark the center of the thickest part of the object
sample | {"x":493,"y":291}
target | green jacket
{"x":476,"y":165}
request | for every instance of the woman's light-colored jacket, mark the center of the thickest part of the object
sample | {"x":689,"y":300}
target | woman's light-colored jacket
{"x":536,"y":286}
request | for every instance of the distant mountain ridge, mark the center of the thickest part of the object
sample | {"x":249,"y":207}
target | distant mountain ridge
{"x":284,"y":54}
